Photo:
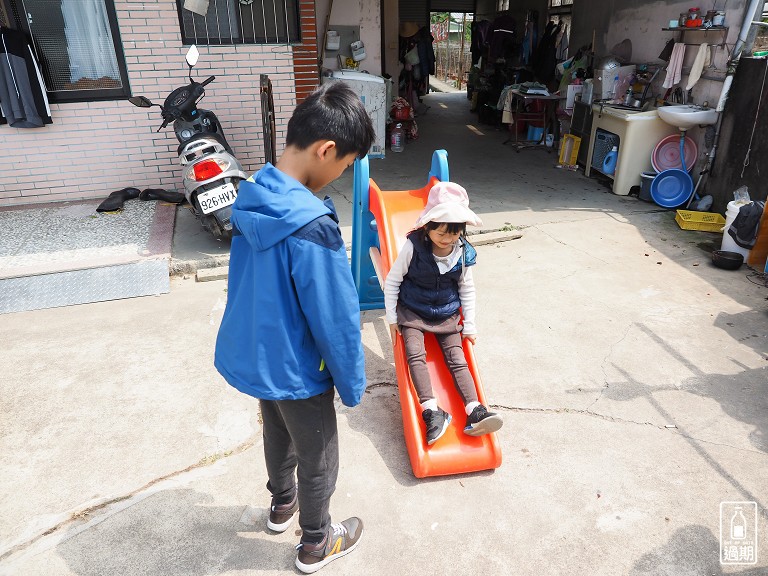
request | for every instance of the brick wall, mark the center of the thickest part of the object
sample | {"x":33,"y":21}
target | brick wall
{"x":93,"y":148}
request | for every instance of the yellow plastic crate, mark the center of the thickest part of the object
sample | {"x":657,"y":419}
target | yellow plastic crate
{"x":705,"y":221}
{"x":569,"y":150}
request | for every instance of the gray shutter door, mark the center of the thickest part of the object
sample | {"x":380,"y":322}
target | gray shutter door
{"x":414,"y":11}
{"x":452,"y":6}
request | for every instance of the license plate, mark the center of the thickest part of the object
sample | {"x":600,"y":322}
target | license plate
{"x":220,"y":197}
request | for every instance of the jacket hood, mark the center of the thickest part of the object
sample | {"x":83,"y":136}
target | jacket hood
{"x":271,"y":206}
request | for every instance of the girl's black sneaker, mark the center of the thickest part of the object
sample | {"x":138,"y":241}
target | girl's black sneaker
{"x":437,"y":423}
{"x":482,"y":422}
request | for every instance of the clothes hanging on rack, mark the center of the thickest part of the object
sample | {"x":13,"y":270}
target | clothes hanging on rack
{"x":544,"y":59}
{"x":480,"y":32}
{"x":414,"y":78}
{"x":561,"y":45}
{"x":502,"y":37}
{"x":23,"y":99}
{"x":531,"y":36}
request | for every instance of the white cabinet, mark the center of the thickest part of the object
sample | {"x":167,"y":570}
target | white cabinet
{"x":638,"y":133}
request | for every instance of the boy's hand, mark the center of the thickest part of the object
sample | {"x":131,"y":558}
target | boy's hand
{"x":471,"y":337}
{"x":393,"y":331}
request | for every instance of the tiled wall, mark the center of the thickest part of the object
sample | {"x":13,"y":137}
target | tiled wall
{"x":93,"y":148}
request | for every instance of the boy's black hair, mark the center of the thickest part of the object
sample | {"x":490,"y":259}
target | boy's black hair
{"x":451,"y":228}
{"x":332,"y":112}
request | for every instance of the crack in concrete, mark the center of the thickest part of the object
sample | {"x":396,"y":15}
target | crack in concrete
{"x":568,"y":245}
{"x":84,"y":513}
{"x":582,"y":411}
{"x":602,"y":365}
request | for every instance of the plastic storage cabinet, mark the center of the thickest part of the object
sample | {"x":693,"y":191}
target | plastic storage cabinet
{"x":373,"y":92}
{"x":638,"y":134}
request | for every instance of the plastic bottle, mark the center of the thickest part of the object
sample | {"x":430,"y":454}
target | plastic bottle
{"x":615,"y":88}
{"x":397,"y":138}
{"x":609,"y":162}
{"x":628,"y":97}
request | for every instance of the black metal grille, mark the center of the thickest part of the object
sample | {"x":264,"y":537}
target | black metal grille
{"x":242,"y":22}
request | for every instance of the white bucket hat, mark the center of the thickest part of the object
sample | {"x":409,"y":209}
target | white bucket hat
{"x":448,"y":202}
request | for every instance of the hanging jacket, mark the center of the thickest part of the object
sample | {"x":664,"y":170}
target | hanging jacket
{"x":425,"y":291}
{"x":291,"y":327}
{"x":23,"y":101}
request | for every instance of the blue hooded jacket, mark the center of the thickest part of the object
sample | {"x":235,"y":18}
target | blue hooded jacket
{"x":291,"y":328}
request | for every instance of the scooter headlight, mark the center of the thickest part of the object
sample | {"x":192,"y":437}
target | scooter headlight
{"x":208,"y":169}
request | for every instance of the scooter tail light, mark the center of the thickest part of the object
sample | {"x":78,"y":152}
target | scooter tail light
{"x":206,"y":170}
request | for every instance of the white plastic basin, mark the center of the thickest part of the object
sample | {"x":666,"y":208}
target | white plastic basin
{"x":686,"y":116}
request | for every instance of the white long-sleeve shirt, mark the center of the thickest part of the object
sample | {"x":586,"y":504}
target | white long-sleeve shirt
{"x":444,"y":264}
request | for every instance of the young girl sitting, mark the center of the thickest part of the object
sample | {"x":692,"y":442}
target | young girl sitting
{"x":427,"y":284}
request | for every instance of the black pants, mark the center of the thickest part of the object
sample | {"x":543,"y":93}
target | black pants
{"x":300,"y":437}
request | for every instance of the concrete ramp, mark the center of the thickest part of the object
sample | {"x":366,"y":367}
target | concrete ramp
{"x":63,"y":254}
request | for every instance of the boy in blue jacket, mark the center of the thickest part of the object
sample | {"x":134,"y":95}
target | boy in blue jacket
{"x":291,"y":329}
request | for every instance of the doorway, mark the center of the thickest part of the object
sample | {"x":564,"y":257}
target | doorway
{"x":452,"y":33}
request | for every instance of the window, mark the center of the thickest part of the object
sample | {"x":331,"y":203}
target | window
{"x":77,"y":45}
{"x":239,"y":21}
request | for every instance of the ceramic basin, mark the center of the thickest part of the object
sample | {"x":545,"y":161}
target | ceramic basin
{"x":686,"y":116}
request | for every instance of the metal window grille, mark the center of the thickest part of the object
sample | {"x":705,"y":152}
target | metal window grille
{"x":242,"y":22}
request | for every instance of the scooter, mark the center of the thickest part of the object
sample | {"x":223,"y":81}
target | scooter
{"x":211,"y":173}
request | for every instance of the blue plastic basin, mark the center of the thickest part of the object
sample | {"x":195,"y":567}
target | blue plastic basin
{"x":671,"y":188}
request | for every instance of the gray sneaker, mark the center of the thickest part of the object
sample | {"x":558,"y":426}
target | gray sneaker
{"x":281,"y":515}
{"x":340,"y":540}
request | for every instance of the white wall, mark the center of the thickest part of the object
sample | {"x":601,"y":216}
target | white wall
{"x":363,"y":13}
{"x":614,"y":20}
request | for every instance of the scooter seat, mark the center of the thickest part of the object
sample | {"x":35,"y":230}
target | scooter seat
{"x":215,"y":135}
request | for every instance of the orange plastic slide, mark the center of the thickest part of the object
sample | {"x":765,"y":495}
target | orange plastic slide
{"x":455,"y":453}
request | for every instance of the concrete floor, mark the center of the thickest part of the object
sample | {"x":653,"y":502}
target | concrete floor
{"x":631,"y":373}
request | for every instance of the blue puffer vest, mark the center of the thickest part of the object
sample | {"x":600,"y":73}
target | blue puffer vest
{"x":432,"y":295}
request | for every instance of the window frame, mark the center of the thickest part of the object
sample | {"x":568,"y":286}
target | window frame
{"x":219,"y":41}
{"x":97,"y":95}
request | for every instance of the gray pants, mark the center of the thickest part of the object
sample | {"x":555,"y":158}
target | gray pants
{"x":300,"y":436}
{"x":454,"y":359}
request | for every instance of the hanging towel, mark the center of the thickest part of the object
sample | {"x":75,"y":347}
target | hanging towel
{"x":698,"y":65}
{"x":675,"y":67}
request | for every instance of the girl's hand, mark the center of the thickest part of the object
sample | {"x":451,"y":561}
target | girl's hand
{"x":393,"y":331}
{"x":471,"y":337}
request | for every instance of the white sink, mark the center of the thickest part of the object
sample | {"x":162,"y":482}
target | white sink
{"x":686,"y":116}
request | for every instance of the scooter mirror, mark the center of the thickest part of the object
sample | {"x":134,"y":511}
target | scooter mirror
{"x":192,"y":55}
{"x":140,"y":101}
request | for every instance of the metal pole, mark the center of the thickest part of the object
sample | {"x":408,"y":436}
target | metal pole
{"x":461,"y":51}
{"x":448,"y":48}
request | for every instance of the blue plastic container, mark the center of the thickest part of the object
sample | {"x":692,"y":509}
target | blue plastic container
{"x":609,"y":162}
{"x":535,"y":134}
